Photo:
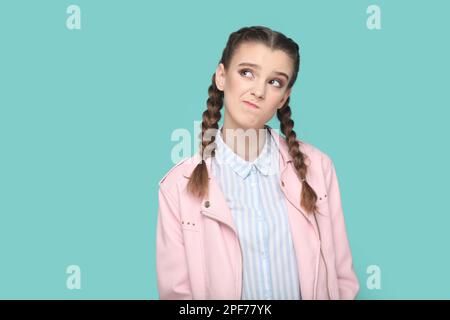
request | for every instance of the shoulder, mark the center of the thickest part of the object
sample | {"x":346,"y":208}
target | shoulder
{"x":177,"y":173}
{"x":317,"y":156}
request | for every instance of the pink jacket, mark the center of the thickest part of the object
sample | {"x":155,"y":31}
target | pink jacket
{"x":198,"y":254}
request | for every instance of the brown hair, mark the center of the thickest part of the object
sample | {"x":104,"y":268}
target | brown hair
{"x":198,"y":183}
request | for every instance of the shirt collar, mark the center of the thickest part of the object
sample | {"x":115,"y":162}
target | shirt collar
{"x":266,"y":162}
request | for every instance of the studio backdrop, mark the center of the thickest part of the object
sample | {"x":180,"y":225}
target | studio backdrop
{"x":99,"y":99}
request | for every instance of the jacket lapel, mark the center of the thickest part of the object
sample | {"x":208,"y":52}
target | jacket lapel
{"x":303,"y":231}
{"x":288,"y":177}
{"x":214,"y":204}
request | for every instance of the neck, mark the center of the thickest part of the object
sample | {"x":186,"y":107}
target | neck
{"x":246,"y":143}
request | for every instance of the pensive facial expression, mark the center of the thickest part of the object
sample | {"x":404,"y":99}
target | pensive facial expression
{"x":254,"y":85}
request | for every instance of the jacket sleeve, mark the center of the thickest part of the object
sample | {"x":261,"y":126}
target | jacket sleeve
{"x":347,"y":279}
{"x":171,"y":265}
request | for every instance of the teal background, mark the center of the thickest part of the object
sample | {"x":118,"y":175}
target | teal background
{"x":86,"y":118}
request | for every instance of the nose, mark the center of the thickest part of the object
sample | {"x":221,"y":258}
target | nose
{"x":259,"y":90}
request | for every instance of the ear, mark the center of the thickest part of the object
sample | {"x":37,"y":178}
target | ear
{"x":220,"y":77}
{"x":285,"y":96}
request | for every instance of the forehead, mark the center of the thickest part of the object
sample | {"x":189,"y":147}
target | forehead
{"x":268,"y":59}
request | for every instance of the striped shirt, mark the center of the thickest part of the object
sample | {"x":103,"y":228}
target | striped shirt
{"x":259,"y":211}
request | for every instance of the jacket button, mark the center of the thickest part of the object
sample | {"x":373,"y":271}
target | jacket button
{"x":207,"y":204}
{"x":282,"y":183}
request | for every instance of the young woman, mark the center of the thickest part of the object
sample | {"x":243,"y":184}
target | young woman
{"x":253,"y":215}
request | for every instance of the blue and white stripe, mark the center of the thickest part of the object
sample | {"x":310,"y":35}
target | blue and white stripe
{"x":258,"y":206}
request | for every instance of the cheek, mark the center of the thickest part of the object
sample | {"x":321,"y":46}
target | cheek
{"x":276,"y":97}
{"x":272,"y":105}
{"x":269,"y":113}
{"x":235,"y":89}
{"x":236,"y":85}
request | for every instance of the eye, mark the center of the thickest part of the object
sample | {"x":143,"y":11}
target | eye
{"x":280,"y":83}
{"x":243,"y":71}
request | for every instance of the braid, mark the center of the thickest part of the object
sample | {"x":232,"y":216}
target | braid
{"x":308,"y":196}
{"x":198,"y":182}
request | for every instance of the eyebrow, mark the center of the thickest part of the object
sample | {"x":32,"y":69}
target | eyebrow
{"x":248,"y":64}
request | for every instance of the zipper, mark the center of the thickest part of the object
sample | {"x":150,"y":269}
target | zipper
{"x":323,"y":257}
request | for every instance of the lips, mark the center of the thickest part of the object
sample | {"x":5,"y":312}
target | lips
{"x":252,"y":105}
